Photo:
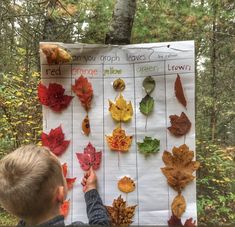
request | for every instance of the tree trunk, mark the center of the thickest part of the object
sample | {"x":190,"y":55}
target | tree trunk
{"x":121,"y":25}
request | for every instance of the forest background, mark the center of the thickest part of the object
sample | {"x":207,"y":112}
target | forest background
{"x":24,"y":23}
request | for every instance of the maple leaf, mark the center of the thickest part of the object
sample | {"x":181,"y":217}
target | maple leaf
{"x":180,"y":125}
{"x":89,"y":158}
{"x":53,"y":96}
{"x":86,"y":126}
{"x":64,"y":208}
{"x":179,"y":167}
{"x":55,"y":54}
{"x":120,"y":213}
{"x":70,"y":181}
{"x":119,"y":141}
{"x":126,"y":184}
{"x":176,"y":222}
{"x":149,"y":84}
{"x":178,"y":206}
{"x":149,"y":145}
{"x":179,"y":92}
{"x":121,"y":110}
{"x":55,"y":141}
{"x":84,"y":91}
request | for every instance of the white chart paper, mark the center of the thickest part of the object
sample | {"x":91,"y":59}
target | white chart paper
{"x":102,"y":64}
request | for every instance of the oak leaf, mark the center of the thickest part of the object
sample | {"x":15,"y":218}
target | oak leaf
{"x":53,"y":96}
{"x":121,"y":110}
{"x":55,"y":54}
{"x":179,"y":167}
{"x":70,"y":181}
{"x":178,"y":206}
{"x":89,"y":158}
{"x":55,"y":141}
{"x":121,"y":214}
{"x":126,"y":184}
{"x":179,"y":92}
{"x":180,"y":125}
{"x":84,"y":91}
{"x":119,"y":141}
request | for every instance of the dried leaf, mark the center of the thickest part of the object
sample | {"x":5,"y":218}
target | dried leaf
{"x":126,"y":184}
{"x":179,"y":92}
{"x":121,"y":214}
{"x":55,"y":54}
{"x":53,"y":97}
{"x":179,"y":167}
{"x":121,"y":110}
{"x":89,"y":158}
{"x":86,"y":126}
{"x":146,"y":105}
{"x":190,"y":223}
{"x":119,"y":141}
{"x":84,"y":91}
{"x":149,"y":84}
{"x":55,"y":141}
{"x":149,"y":145}
{"x":176,"y":222}
{"x":119,"y":85}
{"x":180,"y":125}
{"x":70,"y":181}
{"x":64,"y":208}
{"x":178,"y":206}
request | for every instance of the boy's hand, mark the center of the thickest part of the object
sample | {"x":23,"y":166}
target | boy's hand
{"x":89,"y":180}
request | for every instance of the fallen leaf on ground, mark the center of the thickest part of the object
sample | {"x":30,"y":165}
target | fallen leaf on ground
{"x":126,"y":184}
{"x":55,"y":141}
{"x":120,"y":213}
{"x":119,"y":141}
{"x":179,"y":167}
{"x":180,"y":125}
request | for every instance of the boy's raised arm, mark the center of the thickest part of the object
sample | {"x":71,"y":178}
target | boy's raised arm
{"x":96,"y":211}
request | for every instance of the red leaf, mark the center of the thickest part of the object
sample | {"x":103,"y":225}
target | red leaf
{"x":180,"y":125}
{"x":70,"y":181}
{"x":89,"y":158}
{"x":189,"y":223}
{"x":55,"y":141}
{"x":179,"y":92}
{"x":53,"y":96}
{"x":174,"y":221}
{"x":64,"y":208}
{"x":84,"y":91}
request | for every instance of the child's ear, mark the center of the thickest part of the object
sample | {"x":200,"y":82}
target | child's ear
{"x":60,"y":194}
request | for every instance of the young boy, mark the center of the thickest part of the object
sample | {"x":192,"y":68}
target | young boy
{"x":32,"y":187}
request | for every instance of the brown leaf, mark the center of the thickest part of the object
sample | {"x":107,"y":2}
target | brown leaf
{"x":178,"y":206}
{"x":179,"y":92}
{"x":180,"y":125}
{"x":126,"y":184}
{"x":86,"y":126}
{"x":120,"y":213}
{"x":179,"y":167}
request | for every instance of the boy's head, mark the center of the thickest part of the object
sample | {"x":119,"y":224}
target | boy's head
{"x":30,"y":178}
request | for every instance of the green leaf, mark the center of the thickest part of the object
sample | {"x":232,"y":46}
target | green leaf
{"x":146,"y":105}
{"x":148,"y":84}
{"x":149,"y":145}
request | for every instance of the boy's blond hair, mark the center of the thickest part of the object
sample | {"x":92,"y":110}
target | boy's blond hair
{"x":29,"y":177}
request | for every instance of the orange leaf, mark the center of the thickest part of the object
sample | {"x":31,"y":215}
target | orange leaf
{"x":64,"y":208}
{"x":178,"y":206}
{"x":119,"y":141}
{"x":84,"y":91}
{"x":86,"y":126}
{"x":126,"y":184}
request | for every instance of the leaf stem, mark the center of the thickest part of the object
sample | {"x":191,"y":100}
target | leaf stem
{"x":146,"y":123}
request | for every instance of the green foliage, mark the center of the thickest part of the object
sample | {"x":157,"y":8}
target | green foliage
{"x":149,"y":84}
{"x":7,"y":219}
{"x":149,"y":145}
{"x":146,"y":105}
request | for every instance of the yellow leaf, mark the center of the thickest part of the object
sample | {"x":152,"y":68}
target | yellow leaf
{"x":119,"y":141}
{"x":121,"y":110}
{"x":178,"y":206}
